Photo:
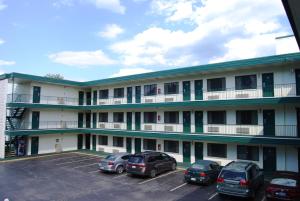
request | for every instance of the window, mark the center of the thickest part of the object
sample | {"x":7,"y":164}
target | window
{"x":216,"y":117}
{"x":150,"y":90}
{"x":103,"y":94}
{"x":103,"y":117}
{"x":118,"y":141}
{"x":102,"y":140}
{"x":171,"y":88}
{"x":216,"y":84}
{"x":118,"y":117}
{"x":217,"y":150}
{"x":126,"y":157}
{"x":246,"y":117}
{"x":149,"y":144}
{"x":119,"y":93}
{"x":245,"y":82}
{"x":150,"y":117}
{"x":247,"y":153}
{"x":171,"y":146}
{"x":171,"y":117}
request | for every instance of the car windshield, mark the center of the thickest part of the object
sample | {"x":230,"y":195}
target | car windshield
{"x":111,"y":157}
{"x":198,"y":166}
{"x":136,"y":159}
{"x":232,"y":175}
{"x":284,"y":182}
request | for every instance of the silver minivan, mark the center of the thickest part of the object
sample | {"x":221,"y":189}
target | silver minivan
{"x":115,"y":162}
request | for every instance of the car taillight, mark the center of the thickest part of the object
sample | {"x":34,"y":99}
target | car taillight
{"x":220,"y":180}
{"x":202,"y":174}
{"x":141,"y":165}
{"x":269,"y":190}
{"x":110,"y":163}
{"x":244,"y":182}
{"x":186,"y":172}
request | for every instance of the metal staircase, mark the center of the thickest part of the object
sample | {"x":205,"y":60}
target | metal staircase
{"x":13,"y":120}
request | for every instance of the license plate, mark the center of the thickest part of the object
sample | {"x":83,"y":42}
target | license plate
{"x":193,"y":179}
{"x":133,"y":166}
{"x":281,"y":194}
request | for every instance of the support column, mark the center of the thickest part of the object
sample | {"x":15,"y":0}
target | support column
{"x":193,"y":152}
{"x":91,"y":142}
{"x":97,"y":141}
{"x":3,"y":94}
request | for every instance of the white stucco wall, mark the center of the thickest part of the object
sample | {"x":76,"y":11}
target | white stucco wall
{"x":55,"y":143}
{"x":3,"y":93}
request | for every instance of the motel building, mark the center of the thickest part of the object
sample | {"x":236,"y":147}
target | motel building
{"x":239,"y":110}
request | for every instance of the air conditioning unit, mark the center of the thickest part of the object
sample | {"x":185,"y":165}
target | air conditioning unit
{"x":242,"y":96}
{"x":60,"y":100}
{"x":148,"y":100}
{"x":117,"y":102}
{"x":102,"y":125}
{"x":102,"y":103}
{"x":214,"y":129}
{"x":243,"y":130}
{"x":213,"y":97}
{"x":117,"y":126}
{"x":169,"y":128}
{"x":169,"y":99}
{"x":148,"y":127}
{"x":115,"y":151}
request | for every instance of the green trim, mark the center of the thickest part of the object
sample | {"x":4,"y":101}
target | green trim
{"x":231,"y":65}
{"x":174,"y":136}
{"x":210,"y":103}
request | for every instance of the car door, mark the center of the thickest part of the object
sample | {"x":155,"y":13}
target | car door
{"x":159,"y":163}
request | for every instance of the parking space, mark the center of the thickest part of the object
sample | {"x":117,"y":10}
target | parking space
{"x":75,"y":176}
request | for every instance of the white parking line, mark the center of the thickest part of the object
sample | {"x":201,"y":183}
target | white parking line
{"x":173,"y":189}
{"x":85,"y":165}
{"x":75,"y":161}
{"x":122,"y":175}
{"x":211,"y":197}
{"x":263,"y":199}
{"x":143,"y":182}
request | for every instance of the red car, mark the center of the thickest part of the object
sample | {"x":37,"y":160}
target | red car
{"x":284,"y":186}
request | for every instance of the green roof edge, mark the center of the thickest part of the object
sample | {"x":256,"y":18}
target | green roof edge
{"x":275,"y":59}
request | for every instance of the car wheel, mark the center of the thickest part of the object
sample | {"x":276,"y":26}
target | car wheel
{"x":120,"y":169}
{"x":153,"y":173}
{"x":173,"y":166}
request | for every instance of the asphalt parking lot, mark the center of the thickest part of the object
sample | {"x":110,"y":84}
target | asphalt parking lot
{"x":75,"y":176}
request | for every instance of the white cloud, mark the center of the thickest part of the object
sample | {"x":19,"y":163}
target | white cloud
{"x":218,"y":30}
{"x":111,"y":31}
{"x":2,"y":5}
{"x":82,"y":59}
{"x":240,"y":48}
{"x":7,"y":63}
{"x":174,"y":10}
{"x":131,"y":71}
{"x":1,"y":41}
{"x":112,"y":5}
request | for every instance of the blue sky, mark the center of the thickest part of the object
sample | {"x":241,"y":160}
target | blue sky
{"x":94,"y":39}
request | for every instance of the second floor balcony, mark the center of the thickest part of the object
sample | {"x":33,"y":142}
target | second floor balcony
{"x":222,"y":129}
